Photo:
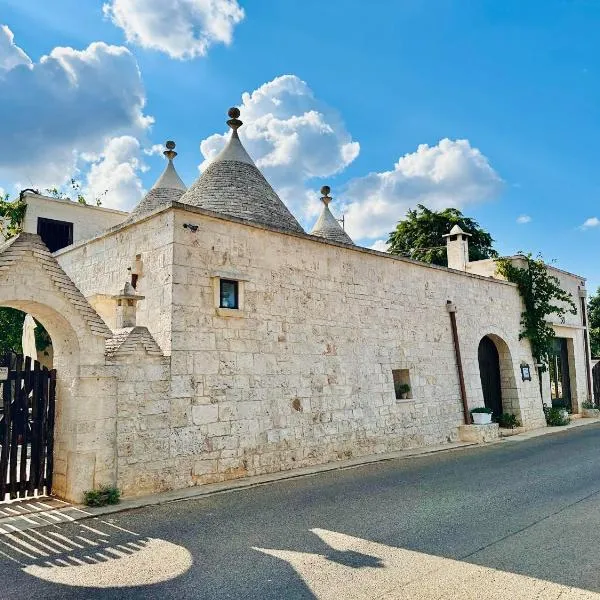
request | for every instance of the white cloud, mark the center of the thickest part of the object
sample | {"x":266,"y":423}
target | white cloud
{"x":66,"y":105}
{"x":114,"y":175}
{"x":11,"y":55}
{"x":522,"y":219}
{"x":292,"y":137}
{"x":380,"y":245}
{"x":449,"y":174}
{"x":180,"y":28}
{"x":591,"y":222}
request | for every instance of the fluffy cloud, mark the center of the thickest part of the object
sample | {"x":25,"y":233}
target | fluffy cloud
{"x":591,"y":222}
{"x":380,"y":245}
{"x":180,"y":28}
{"x":70,"y":102}
{"x":292,"y":137}
{"x":521,"y":220}
{"x":113,"y":176}
{"x":449,"y":174}
{"x":10,"y":54}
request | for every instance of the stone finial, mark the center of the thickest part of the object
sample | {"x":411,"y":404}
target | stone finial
{"x":170,"y":151}
{"x":234,"y":121}
{"x":326,"y":198}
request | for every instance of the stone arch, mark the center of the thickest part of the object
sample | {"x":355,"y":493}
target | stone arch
{"x":32,"y":281}
{"x":508,"y":384}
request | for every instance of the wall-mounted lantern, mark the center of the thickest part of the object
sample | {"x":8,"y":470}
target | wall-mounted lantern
{"x":525,"y":372}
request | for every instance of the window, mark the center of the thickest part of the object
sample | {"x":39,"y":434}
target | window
{"x":402,"y":387}
{"x":229,"y":296}
{"x":55,"y":234}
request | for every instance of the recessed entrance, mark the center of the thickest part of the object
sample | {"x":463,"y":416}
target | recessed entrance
{"x":560,"y":380}
{"x":489,"y":371}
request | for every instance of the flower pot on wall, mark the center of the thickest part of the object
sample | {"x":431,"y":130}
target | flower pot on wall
{"x":481,"y":418}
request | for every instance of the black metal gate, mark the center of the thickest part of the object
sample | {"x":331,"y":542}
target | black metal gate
{"x":28,"y":394}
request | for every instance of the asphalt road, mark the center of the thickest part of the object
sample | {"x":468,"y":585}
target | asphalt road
{"x":510,"y":520}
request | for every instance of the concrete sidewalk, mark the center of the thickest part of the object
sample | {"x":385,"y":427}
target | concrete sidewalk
{"x":31,"y":514}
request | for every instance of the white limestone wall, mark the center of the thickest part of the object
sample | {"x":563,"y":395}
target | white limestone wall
{"x":304,"y":374}
{"x":99,"y":269}
{"x":88,"y":220}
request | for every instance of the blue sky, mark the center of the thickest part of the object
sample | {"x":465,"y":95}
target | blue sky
{"x":519,"y":81}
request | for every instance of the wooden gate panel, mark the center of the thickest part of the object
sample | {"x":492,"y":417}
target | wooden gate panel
{"x":26,"y":428}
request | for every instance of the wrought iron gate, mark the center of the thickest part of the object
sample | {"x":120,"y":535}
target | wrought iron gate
{"x":28,"y":394}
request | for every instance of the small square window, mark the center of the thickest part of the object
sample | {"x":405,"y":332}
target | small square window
{"x":402,"y":386}
{"x":229,"y":294}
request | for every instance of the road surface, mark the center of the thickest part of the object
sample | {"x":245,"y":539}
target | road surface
{"x":510,"y":520}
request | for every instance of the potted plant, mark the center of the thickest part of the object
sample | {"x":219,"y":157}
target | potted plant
{"x":403,"y":390}
{"x":508,"y":421}
{"x":482,"y":415}
{"x":590,"y":410}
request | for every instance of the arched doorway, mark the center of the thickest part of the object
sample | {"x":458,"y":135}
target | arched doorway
{"x":489,"y":371}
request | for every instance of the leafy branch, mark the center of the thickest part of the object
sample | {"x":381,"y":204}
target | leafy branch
{"x":12,"y":214}
{"x":543,"y":297}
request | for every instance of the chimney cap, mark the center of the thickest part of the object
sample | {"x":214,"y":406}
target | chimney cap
{"x":456,"y":230}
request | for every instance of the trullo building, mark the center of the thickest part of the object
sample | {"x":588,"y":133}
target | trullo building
{"x":206,"y":336}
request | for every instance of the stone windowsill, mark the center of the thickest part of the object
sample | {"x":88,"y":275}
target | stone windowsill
{"x":405,"y":400}
{"x":231,"y":312}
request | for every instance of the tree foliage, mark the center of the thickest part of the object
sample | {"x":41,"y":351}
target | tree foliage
{"x":420,"y":235}
{"x":594,"y":323}
{"x":11,"y":332}
{"x":12,"y":214}
{"x":543,"y":297}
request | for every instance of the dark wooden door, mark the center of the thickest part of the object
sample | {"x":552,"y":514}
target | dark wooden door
{"x":26,"y":427}
{"x":489,"y":371}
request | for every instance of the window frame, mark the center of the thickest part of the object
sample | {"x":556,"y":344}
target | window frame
{"x":236,"y":288}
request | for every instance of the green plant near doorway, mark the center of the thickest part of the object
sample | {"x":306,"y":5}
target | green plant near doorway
{"x":543,"y":297}
{"x":508,"y":421}
{"x":556,"y":417}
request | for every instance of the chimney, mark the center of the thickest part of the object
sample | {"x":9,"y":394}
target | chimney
{"x":126,"y":301}
{"x":457,"y":248}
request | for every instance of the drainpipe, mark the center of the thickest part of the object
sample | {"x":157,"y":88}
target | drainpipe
{"x":451,"y":308}
{"x":586,"y":343}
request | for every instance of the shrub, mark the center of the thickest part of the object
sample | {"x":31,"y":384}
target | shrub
{"x":555,"y":417}
{"x":482,"y":409}
{"x":104,"y":495}
{"x":508,"y":421}
{"x":403,"y":388}
{"x":588,"y":404}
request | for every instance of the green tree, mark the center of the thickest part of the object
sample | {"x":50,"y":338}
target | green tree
{"x":420,"y":235}
{"x":594,"y":323}
{"x":11,"y":332}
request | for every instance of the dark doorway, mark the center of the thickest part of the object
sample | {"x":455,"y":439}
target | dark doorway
{"x":55,"y":234}
{"x":560,"y":380}
{"x":489,"y":371}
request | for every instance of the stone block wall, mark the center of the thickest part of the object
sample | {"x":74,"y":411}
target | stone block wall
{"x":99,"y":267}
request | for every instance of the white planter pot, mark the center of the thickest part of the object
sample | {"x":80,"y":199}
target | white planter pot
{"x":481,"y":418}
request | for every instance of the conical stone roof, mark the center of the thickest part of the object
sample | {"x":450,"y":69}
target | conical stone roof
{"x":327,"y":226}
{"x":232,"y":185}
{"x":168,"y":188}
